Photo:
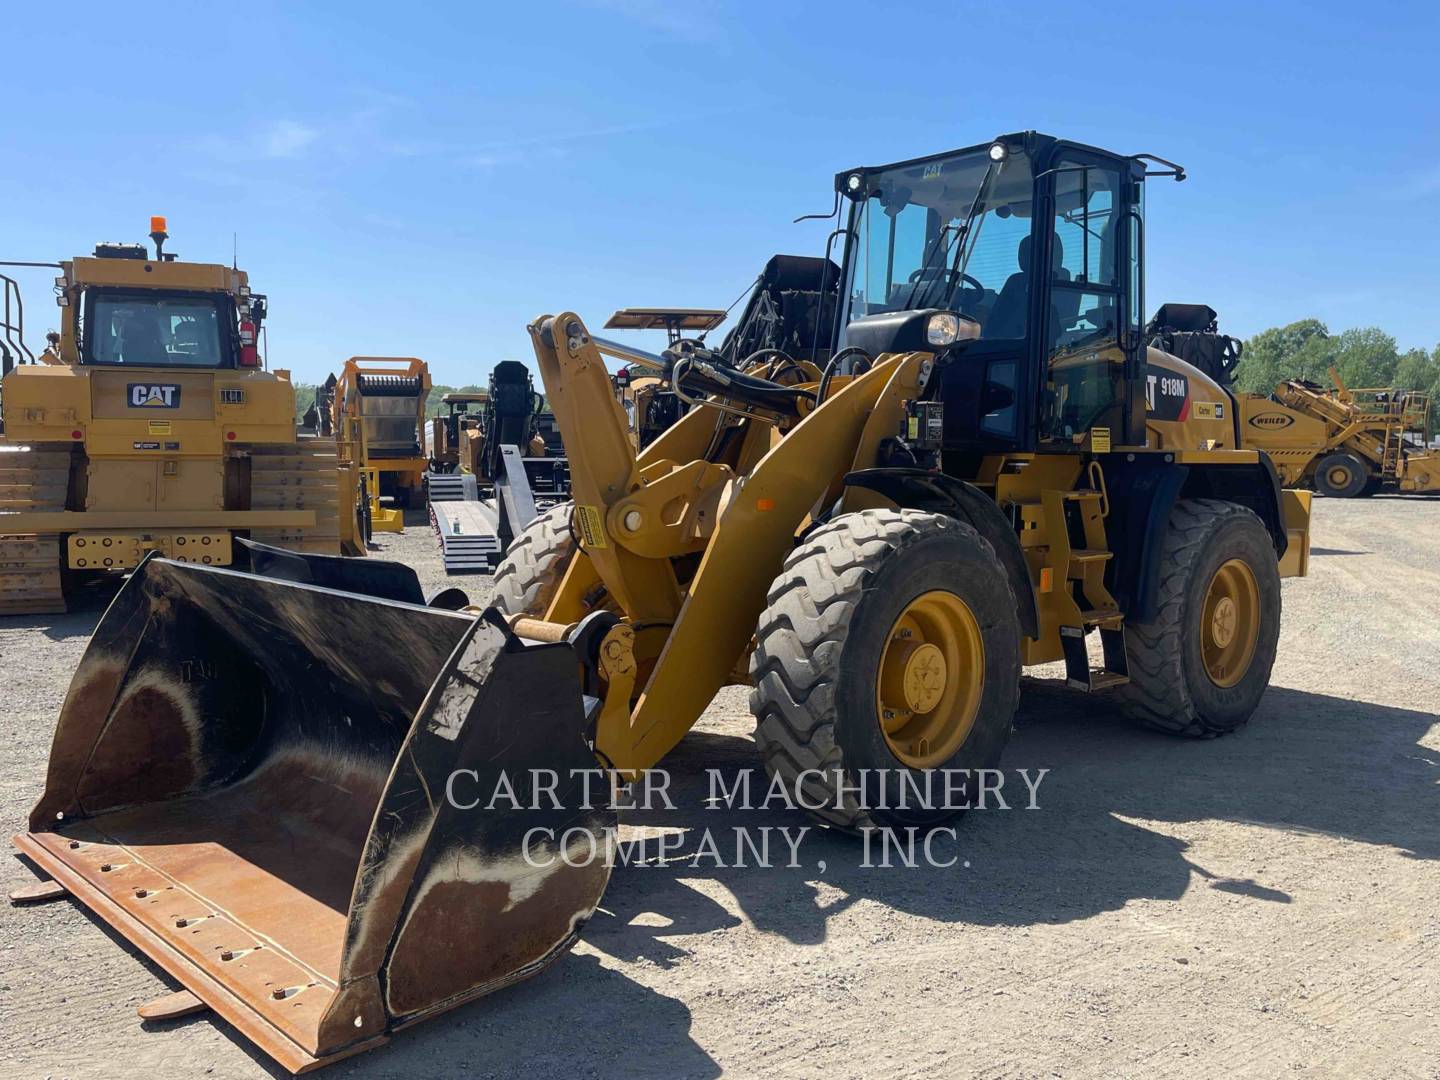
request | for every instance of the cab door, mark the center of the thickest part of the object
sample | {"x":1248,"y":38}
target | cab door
{"x":1091,"y":346}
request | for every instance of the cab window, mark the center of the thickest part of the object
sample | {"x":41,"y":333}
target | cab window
{"x":148,"y":330}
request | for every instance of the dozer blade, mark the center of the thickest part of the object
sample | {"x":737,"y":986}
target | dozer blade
{"x":250,"y":781}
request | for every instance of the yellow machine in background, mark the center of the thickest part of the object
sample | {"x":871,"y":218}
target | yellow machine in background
{"x":461,"y":413}
{"x":149,"y":424}
{"x":379,"y":418}
{"x":1345,"y":442}
{"x":1340,"y":442}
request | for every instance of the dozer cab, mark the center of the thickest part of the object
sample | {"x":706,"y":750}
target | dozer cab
{"x":978,"y":466}
{"x":150,"y":424}
{"x":463,"y":409}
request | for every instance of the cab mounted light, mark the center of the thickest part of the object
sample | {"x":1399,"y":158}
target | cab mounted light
{"x":853,"y":182}
{"x":999,"y":152}
{"x":942,"y":329}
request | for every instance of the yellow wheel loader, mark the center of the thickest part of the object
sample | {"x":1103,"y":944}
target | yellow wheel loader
{"x":978,"y":466}
{"x":149,"y":424}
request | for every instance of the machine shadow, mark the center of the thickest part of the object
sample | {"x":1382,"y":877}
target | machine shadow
{"x":1084,"y":849}
{"x":87,"y":604}
{"x":506,"y":1034}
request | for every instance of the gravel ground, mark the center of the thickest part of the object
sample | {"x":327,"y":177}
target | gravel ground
{"x":1259,"y":904}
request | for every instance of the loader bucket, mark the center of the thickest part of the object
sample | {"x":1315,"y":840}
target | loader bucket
{"x":251,"y":779}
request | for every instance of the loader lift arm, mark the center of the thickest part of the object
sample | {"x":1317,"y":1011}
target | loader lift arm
{"x":635,"y":516}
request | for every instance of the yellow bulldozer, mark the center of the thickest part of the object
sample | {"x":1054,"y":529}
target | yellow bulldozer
{"x":979,"y":466}
{"x":464,"y":410}
{"x":148,"y":423}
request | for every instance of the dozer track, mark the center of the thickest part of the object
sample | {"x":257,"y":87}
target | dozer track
{"x":304,"y":476}
{"x":33,"y":478}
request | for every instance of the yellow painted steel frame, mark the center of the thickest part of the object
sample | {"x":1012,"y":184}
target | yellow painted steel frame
{"x":382,"y":518}
{"x":350,"y":437}
{"x":633,"y":516}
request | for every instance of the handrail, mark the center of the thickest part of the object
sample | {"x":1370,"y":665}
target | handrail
{"x":12,"y":327}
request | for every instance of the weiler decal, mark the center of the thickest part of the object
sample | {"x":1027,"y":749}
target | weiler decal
{"x":1271,"y":421}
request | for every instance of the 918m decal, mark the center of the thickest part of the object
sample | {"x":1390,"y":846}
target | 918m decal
{"x":1166,"y":396}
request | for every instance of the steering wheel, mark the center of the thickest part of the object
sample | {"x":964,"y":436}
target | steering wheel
{"x":951,"y":276}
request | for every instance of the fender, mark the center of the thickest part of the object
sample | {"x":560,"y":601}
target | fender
{"x":921,"y":489}
{"x":1145,"y":490}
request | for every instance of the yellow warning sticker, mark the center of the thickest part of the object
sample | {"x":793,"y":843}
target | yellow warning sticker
{"x":159,"y":427}
{"x":591,"y":526}
{"x":1100,"y":440}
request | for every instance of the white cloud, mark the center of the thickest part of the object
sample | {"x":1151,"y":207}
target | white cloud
{"x":284,"y":139}
{"x":696,"y":21}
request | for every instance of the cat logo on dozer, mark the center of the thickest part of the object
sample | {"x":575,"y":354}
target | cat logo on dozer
{"x":154,"y":395}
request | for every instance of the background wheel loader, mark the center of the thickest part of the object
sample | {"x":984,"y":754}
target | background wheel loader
{"x":987,"y":470}
{"x":149,"y":424}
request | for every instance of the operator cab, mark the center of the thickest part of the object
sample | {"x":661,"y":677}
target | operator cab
{"x":1020,"y":262}
{"x":158,"y":329}
{"x":135,"y":310}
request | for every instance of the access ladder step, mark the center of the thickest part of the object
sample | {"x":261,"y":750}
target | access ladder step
{"x":1116,"y":666}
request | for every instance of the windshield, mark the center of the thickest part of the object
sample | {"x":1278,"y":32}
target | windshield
{"x":155,"y":330}
{"x":947,"y":233}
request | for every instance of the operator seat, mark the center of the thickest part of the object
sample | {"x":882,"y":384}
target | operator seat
{"x":141,"y":343}
{"x":1007,"y":316}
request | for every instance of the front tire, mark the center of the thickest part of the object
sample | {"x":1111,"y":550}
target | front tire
{"x":528,"y":577}
{"x":1341,"y":475}
{"x":890,"y":648}
{"x":1200,"y":667}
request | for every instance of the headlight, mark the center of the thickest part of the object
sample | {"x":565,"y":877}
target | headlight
{"x":853,"y":182}
{"x":998,"y":151}
{"x":943,"y":329}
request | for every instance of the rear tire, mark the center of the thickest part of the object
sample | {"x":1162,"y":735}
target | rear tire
{"x":1177,"y":658}
{"x":1341,"y":475}
{"x":527,"y":578}
{"x":823,"y":643}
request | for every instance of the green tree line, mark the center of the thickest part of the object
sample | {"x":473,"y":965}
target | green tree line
{"x":1363,"y":357}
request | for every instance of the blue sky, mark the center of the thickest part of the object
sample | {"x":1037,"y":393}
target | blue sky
{"x":422,"y":179}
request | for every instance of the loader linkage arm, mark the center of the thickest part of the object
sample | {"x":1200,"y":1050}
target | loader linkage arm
{"x":726,"y":486}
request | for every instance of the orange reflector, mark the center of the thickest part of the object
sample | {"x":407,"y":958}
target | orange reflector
{"x":157,"y":224}
{"x":1047,"y":579}
{"x":764,"y":505}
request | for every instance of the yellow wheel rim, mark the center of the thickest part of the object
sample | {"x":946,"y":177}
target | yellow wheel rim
{"x":1230,"y":623}
{"x":1339,"y":476}
{"x":931,"y":677}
